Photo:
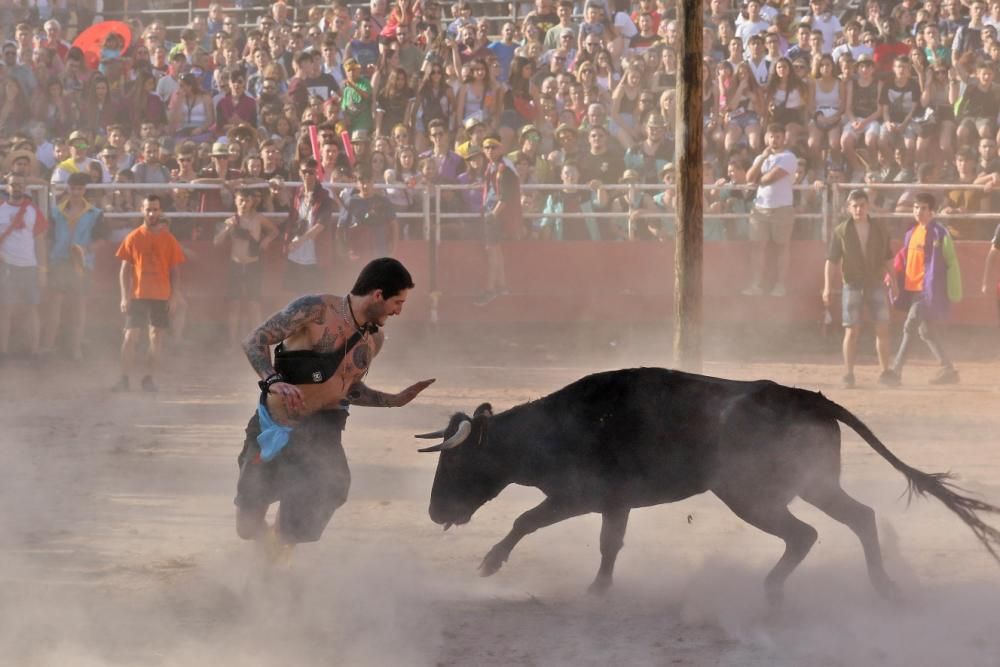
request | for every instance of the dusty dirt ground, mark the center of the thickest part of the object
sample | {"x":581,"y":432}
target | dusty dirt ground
{"x":117,"y":544}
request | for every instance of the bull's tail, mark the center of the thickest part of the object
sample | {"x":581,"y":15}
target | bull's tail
{"x":922,"y":483}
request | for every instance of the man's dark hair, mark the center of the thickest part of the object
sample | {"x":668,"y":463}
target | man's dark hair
{"x":926,"y":198}
{"x":775,"y":128}
{"x":857,"y":195}
{"x":384,"y":273}
{"x":363,"y":172}
{"x":925,"y":170}
{"x":303,"y":57}
{"x":309,"y":163}
{"x":152,"y":198}
{"x":78,"y":178}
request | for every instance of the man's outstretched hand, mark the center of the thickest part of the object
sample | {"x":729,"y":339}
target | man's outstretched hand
{"x":411,"y":392}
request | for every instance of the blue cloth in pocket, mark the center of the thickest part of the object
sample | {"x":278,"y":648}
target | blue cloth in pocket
{"x":273,"y":436}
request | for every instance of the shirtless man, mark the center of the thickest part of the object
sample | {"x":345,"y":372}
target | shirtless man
{"x":292,"y":454}
{"x":251,"y":233}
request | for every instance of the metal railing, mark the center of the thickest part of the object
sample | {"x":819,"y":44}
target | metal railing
{"x":436,"y":218}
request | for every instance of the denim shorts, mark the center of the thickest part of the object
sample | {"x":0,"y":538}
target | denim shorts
{"x":855,"y":301}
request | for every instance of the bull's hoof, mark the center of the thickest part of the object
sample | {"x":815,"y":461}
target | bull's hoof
{"x":600,"y":586}
{"x":889,"y":592}
{"x":493,"y":561}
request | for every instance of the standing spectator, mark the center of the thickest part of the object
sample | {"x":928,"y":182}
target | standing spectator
{"x":502,"y":216}
{"x":77,"y":228}
{"x":148,"y":279}
{"x":773,"y":216}
{"x":356,"y":103}
{"x":150,"y":169}
{"x":309,"y":215}
{"x":23,"y":264}
{"x":250,"y":233}
{"x":929,"y":279}
{"x":859,"y":246}
{"x":368,"y":227}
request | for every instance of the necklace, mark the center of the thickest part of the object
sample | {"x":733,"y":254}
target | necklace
{"x":354,"y":320}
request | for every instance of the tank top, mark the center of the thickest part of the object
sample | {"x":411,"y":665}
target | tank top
{"x":788,"y":99}
{"x":828,"y":100}
{"x":865,"y":99}
{"x":628,"y":105}
{"x":473,"y":102}
{"x":194,"y":113}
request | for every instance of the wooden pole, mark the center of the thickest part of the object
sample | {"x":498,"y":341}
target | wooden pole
{"x":688,"y":159}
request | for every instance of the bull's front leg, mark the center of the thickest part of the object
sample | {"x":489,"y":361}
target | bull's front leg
{"x":613,"y":524}
{"x":546,"y":513}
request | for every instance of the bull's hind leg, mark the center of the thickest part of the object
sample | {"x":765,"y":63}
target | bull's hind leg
{"x":546,"y":513}
{"x":613,"y":527}
{"x":772,"y":516}
{"x":860,"y":518}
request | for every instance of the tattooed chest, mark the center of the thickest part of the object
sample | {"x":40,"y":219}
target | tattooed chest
{"x":329,"y":338}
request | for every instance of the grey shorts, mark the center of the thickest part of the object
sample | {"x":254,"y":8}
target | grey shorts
{"x":908,"y":132}
{"x":854,"y":302}
{"x":19,"y":285}
{"x":979,"y":124}
{"x":772,"y":224}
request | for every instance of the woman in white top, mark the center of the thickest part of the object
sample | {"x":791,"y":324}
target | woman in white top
{"x":786,"y":98}
{"x":826,"y":113}
{"x":191,"y":114}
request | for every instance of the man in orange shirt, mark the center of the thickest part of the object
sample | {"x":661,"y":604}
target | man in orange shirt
{"x":150,"y":255}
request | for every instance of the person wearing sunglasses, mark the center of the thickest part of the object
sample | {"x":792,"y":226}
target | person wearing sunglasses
{"x":78,"y":161}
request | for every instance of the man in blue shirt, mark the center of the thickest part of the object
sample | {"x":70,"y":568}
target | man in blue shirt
{"x":504,"y":50}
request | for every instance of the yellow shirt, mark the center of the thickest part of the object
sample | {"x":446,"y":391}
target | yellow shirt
{"x":915,"y":260}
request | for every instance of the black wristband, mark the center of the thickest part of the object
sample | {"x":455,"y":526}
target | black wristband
{"x":273,"y":378}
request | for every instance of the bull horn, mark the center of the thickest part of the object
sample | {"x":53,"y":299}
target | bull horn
{"x":464,"y":428}
{"x":431,"y":436}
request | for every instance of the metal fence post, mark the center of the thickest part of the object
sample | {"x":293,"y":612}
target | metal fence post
{"x":433,"y":233}
{"x":190,"y":11}
{"x":825,"y":208}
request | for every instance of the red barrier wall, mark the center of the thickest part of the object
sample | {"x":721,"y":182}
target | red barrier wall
{"x":569,"y":281}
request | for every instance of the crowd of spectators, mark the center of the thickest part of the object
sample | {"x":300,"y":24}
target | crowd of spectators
{"x":581,"y":95}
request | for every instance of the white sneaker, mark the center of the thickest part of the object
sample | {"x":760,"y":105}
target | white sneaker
{"x":779,"y":290}
{"x":752,"y":291}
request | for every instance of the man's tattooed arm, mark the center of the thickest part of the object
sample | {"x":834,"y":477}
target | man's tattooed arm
{"x":281,"y":325}
{"x":365,"y":396}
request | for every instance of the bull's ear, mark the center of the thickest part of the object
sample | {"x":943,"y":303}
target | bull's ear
{"x":484,"y":410}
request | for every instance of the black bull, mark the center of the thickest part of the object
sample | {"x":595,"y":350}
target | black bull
{"x":634,"y":438}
